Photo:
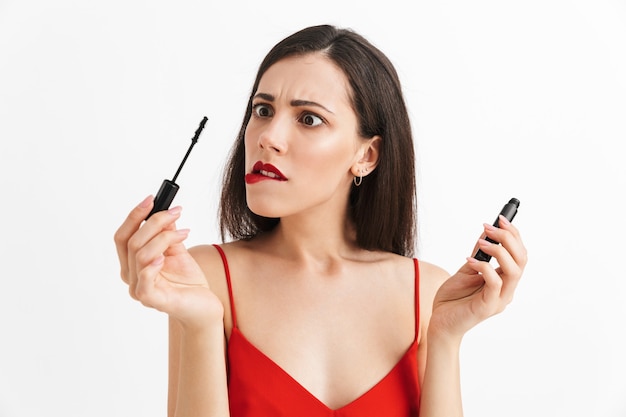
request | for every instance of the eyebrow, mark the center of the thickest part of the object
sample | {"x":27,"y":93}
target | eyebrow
{"x":295,"y":103}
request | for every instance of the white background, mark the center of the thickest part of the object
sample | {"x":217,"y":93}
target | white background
{"x":98,"y":101}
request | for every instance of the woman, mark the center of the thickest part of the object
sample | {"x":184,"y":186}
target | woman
{"x":316,"y":307}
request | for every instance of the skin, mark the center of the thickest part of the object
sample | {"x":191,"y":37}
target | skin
{"x":304,"y":289}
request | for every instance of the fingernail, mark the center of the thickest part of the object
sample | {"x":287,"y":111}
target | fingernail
{"x":146,"y":202}
{"x":159,"y":260}
{"x":489,"y":226}
{"x":183,"y":232}
{"x":471,"y":260}
{"x":484,"y":243}
{"x":503,"y":220}
{"x":175,"y":211}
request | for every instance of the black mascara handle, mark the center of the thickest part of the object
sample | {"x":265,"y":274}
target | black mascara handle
{"x":508,"y":211}
{"x":164,"y":197}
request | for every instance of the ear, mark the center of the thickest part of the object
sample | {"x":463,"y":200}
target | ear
{"x":367,"y":157}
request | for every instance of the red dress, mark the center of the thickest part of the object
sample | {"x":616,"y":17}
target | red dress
{"x":258,"y":387}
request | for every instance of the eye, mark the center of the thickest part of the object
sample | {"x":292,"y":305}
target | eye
{"x":311,"y":119}
{"x":262,"y":110}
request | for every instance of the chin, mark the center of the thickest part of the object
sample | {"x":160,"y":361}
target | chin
{"x":265,"y":209}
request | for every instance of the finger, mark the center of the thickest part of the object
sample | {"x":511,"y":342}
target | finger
{"x":505,"y":224}
{"x":490,"y":302}
{"x":509,"y":237}
{"x":153,"y":289}
{"x":145,"y":290}
{"x":126,"y":230}
{"x":509,"y":271}
{"x":163,"y":220}
{"x":159,"y":246}
{"x":159,"y":222}
{"x":512,"y":241}
{"x":511,"y":256}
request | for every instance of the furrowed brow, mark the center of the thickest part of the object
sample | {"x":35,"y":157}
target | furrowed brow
{"x":295,"y":103}
{"x":300,"y":103}
{"x":264,"y":96}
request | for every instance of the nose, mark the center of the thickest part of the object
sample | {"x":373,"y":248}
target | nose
{"x":273,"y":136}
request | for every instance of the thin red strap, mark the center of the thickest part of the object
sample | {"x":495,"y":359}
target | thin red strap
{"x":230,"y":286}
{"x":417,"y":298}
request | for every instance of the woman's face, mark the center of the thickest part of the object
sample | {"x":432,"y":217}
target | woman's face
{"x":301,"y":141}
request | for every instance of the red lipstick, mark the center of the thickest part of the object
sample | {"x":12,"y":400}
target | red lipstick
{"x":262,"y":171}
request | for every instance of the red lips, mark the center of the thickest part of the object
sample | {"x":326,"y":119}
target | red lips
{"x":262,"y":171}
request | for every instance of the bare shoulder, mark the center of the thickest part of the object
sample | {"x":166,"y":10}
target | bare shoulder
{"x":209,"y":259}
{"x":214,"y":267}
{"x":211,"y":263}
{"x":431,"y":277}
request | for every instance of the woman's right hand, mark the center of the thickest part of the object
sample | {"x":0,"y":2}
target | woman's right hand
{"x":159,"y":270}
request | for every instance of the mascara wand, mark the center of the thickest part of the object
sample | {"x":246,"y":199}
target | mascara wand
{"x":169,"y":188}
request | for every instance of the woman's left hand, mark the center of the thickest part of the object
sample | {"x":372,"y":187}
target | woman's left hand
{"x":478,"y":290}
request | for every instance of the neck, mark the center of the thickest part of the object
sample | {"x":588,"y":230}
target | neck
{"x":315,"y":236}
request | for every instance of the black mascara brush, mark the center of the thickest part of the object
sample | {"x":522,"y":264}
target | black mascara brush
{"x":169,"y":188}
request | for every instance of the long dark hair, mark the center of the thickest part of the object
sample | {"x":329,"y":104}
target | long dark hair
{"x":383,"y":207}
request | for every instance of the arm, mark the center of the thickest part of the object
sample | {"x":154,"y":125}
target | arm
{"x":173,"y":366}
{"x":162,"y":274}
{"x":441,"y":386}
{"x":438,"y":357}
{"x":197,"y":382}
{"x":476,"y":292}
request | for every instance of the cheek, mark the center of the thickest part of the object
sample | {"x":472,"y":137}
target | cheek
{"x":248,"y":142}
{"x":327,"y":162}
{"x":335,"y":154}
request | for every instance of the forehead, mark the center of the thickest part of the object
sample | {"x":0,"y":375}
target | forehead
{"x":312,"y":77}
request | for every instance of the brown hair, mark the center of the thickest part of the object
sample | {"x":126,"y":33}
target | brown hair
{"x":383,"y":207}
